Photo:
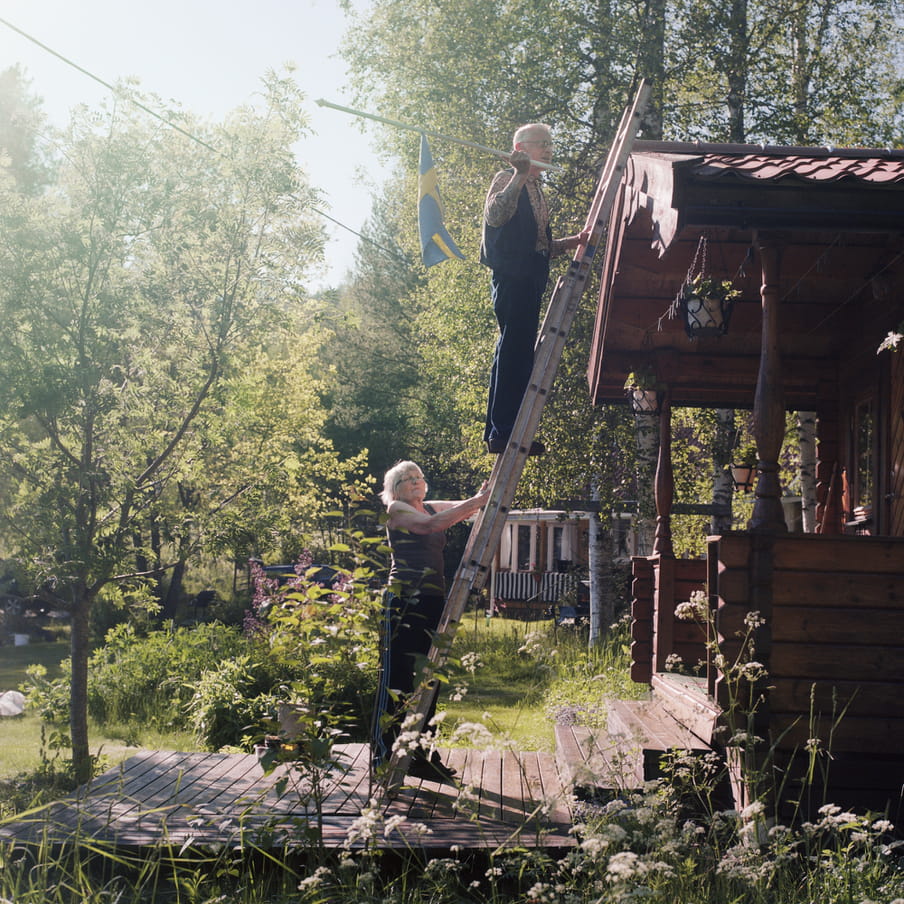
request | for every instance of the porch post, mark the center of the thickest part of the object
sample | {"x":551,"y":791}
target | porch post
{"x":768,"y":403}
{"x":664,"y":489}
{"x":828,"y":479}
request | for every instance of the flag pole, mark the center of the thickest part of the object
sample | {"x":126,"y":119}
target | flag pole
{"x":401,"y":125}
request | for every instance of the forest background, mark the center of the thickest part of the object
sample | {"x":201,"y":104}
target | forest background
{"x":177,"y":400}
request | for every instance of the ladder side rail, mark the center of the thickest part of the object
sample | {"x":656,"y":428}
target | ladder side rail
{"x":490,"y":521}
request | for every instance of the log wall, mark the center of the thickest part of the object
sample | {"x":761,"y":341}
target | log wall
{"x":833,"y":648}
{"x":660,"y":584}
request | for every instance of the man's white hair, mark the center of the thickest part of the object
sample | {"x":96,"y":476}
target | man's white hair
{"x":528,"y":130}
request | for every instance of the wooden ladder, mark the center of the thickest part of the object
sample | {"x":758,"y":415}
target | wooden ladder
{"x":487,"y":528}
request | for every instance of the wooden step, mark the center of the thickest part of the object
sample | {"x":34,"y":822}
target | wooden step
{"x":686,"y":699}
{"x":590,"y":761}
{"x":646,"y":729}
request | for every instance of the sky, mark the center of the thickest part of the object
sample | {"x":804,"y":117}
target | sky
{"x":210,"y":56}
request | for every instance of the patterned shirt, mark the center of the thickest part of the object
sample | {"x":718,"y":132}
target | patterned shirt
{"x":502,"y":201}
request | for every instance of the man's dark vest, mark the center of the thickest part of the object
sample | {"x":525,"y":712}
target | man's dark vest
{"x":510,"y":249}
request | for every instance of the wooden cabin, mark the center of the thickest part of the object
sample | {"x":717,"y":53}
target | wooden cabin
{"x":813,"y":239}
{"x":542,"y":560}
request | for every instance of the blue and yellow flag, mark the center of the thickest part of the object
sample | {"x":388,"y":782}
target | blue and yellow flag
{"x":436,"y":243}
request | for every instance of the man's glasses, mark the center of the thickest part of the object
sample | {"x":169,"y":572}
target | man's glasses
{"x":539,"y":142}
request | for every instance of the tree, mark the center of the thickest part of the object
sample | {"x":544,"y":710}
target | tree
{"x":373,"y":389}
{"x":132,"y":293}
{"x":21,"y":121}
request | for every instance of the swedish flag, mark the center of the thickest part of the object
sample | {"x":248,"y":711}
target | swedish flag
{"x":436,"y":243}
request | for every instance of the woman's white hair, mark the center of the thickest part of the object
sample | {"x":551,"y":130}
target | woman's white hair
{"x":394,"y":476}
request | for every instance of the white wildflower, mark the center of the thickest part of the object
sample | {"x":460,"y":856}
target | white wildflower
{"x":364,"y":828}
{"x":319,"y":877}
{"x":471,"y":662}
{"x":392,"y":824}
{"x":673,"y":662}
{"x":892,"y":340}
{"x":752,"y":671}
{"x":542,"y":893}
{"x":475,"y":733}
{"x":622,"y":866}
{"x":754,"y":620}
{"x":695,"y":609}
{"x":440,"y":867}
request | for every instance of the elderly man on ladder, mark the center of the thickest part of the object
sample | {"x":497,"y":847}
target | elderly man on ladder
{"x":517,"y":246}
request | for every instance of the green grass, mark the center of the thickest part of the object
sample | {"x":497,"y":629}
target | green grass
{"x":21,"y":748}
{"x":14,"y":661}
{"x":530,"y":674}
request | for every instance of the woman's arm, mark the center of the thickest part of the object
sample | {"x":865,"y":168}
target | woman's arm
{"x":402,"y":516}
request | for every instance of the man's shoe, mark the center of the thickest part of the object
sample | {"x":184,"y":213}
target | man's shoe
{"x":497,"y":446}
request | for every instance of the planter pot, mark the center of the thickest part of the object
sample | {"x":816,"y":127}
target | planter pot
{"x":705,"y":315}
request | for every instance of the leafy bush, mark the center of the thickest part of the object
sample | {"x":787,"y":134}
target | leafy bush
{"x":301,"y":642}
{"x":329,"y":634}
{"x":148,"y":678}
{"x":152,"y":678}
{"x":229,"y":703}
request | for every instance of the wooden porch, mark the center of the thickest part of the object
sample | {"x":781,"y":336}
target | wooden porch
{"x":500,"y":799}
{"x":828,"y":705}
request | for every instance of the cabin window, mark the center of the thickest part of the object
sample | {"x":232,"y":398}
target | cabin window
{"x":560,"y":546}
{"x":523,"y":553}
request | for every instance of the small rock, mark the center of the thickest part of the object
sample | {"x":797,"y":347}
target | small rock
{"x":12,"y":703}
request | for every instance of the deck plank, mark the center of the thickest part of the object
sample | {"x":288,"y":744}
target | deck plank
{"x":170,"y":798}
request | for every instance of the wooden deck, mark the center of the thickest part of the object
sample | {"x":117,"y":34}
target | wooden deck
{"x":499,"y":799}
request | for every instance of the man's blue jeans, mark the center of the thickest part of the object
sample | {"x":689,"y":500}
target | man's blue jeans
{"x":516,"y":303}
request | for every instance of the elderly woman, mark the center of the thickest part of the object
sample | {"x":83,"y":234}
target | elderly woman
{"x":415,"y":599}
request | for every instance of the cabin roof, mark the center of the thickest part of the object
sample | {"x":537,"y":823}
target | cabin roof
{"x":838,"y":215}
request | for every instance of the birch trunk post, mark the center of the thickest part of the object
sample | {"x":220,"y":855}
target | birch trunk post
{"x":723,"y":487}
{"x":599,"y":559}
{"x":646,"y":435}
{"x":806,"y":439}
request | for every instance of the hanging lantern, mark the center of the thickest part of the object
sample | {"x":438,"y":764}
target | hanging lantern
{"x":742,"y":477}
{"x":743,"y":463}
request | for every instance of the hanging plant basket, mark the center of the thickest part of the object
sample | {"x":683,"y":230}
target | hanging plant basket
{"x":642,"y":390}
{"x":703,"y":302}
{"x":706,"y":306}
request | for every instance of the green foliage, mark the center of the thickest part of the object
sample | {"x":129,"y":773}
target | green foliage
{"x":146,"y":678}
{"x":233,"y":701}
{"x":330,"y":638}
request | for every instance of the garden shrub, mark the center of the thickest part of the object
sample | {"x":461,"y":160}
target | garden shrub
{"x":151,"y":678}
{"x":231,"y":702}
{"x":329,"y":634}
